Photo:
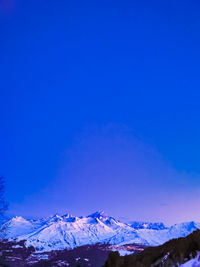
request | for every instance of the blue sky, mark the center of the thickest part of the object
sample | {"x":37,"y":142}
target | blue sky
{"x":100,"y":107}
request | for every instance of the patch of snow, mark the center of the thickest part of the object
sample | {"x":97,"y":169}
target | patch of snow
{"x":12,"y":258}
{"x":123,"y":252}
{"x":41,"y":256}
{"x":17,"y":246}
{"x":193,"y":262}
{"x":165,"y":257}
{"x":61,"y":263}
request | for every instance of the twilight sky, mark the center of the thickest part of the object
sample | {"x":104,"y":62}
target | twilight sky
{"x":100,"y":108}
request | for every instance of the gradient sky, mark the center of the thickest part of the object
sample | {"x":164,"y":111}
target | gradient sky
{"x":100,"y":108}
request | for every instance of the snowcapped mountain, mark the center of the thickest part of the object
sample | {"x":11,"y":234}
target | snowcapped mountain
{"x":147,"y":225}
{"x":15,"y":227}
{"x":60,"y":232}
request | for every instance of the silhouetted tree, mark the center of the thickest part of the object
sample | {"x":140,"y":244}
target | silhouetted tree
{"x":3,"y":204}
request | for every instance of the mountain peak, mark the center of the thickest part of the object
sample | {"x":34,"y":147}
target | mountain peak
{"x":147,"y":225}
{"x":98,"y":214}
{"x":66,"y":215}
{"x":60,"y":217}
{"x":18,"y":218}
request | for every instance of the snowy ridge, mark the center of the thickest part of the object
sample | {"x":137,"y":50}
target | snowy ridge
{"x":147,"y":225}
{"x":60,"y":232}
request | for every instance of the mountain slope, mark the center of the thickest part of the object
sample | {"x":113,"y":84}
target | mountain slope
{"x":176,"y":252}
{"x":15,"y":227}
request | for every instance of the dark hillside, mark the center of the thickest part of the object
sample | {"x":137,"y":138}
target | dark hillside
{"x":172,"y":253}
{"x":15,"y":254}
